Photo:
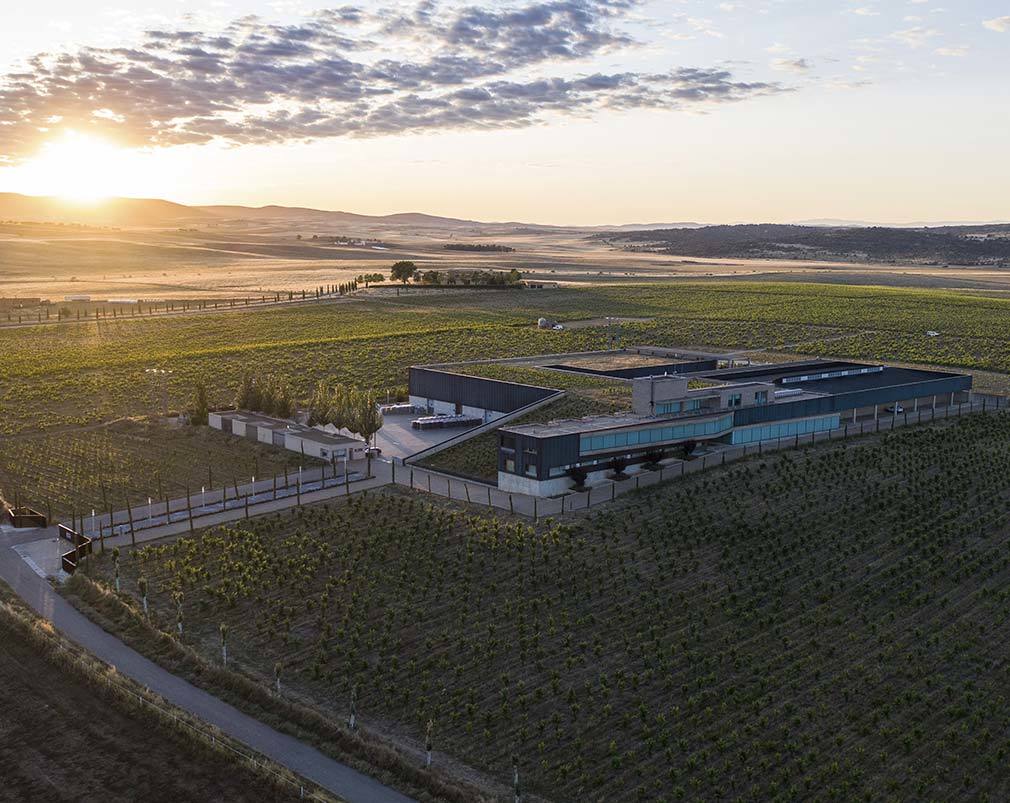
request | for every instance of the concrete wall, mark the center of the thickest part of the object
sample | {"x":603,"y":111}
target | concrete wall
{"x":647,"y":392}
{"x":266,"y":435}
{"x":514,"y":484}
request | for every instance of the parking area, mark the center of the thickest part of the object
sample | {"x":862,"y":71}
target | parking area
{"x":398,"y":439}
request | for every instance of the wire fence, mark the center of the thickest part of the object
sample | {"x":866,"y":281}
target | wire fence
{"x":226,"y":744}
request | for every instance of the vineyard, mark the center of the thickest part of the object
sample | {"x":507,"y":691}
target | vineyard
{"x":822,"y":624}
{"x":130,"y":461}
{"x":81,"y":375}
{"x":59,"y":376}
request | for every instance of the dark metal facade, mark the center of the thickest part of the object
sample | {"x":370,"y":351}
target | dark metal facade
{"x":474,"y":391}
{"x":947,"y":384}
{"x":542,"y":454}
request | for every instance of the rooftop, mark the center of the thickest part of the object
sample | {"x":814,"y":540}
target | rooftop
{"x":289,"y":427}
{"x":574,"y":426}
{"x":840,"y":377}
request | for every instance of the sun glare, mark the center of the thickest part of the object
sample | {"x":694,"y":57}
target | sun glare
{"x":77,"y":167}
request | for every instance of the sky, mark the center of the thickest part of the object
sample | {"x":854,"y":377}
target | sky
{"x":554,"y":111}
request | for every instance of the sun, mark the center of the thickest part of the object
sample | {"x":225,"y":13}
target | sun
{"x":77,"y":167}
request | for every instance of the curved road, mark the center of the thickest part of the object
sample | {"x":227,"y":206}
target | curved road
{"x":341,"y":780}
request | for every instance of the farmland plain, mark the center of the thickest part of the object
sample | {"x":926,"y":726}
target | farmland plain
{"x":63,"y":377}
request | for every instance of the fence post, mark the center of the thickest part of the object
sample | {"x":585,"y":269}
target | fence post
{"x":489,"y":496}
{"x":512,"y":508}
{"x":129,"y":512}
{"x":189,"y":509}
{"x":466,"y":490}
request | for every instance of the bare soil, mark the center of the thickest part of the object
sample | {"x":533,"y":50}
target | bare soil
{"x":60,"y":740}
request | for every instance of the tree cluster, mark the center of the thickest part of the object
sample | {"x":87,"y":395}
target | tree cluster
{"x":452,"y":278}
{"x":370,"y":278}
{"x":269,"y":395}
{"x":479,"y":248}
{"x":345,"y":408}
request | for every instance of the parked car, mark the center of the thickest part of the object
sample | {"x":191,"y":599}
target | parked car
{"x":896,"y":409}
{"x":558,"y":327}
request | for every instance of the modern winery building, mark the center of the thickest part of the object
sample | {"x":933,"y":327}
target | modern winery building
{"x":686,"y":402}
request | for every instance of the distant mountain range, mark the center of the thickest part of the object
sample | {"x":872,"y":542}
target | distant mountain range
{"x":112,"y":212}
{"x":985,"y":245}
{"x":156,"y":213}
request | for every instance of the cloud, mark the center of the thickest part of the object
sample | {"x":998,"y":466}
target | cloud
{"x":1000,"y":24}
{"x":792,"y":65}
{"x":348,"y":72}
{"x":951,"y":52}
{"x":916,"y":36}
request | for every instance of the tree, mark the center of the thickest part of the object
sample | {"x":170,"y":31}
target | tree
{"x":199,"y":412}
{"x":366,"y":420}
{"x":319,"y":404}
{"x":247,"y":397}
{"x":578,"y":475}
{"x":284,"y":405}
{"x":403,"y":271}
{"x":339,"y":411}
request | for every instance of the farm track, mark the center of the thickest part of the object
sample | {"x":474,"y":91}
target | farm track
{"x":305,"y":761}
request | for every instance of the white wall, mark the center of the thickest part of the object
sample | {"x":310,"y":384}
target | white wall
{"x":449,"y":408}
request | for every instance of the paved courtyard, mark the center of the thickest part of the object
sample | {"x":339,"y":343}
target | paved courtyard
{"x":398,"y":439}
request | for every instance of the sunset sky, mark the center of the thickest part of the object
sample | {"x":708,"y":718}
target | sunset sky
{"x":553,"y":111}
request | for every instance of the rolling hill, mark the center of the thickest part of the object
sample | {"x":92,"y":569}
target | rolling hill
{"x":111,"y":212}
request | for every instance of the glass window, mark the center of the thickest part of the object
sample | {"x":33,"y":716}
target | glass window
{"x":734,"y":400}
